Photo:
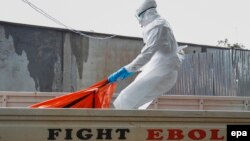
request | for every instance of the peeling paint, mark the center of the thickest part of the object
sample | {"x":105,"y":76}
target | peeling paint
{"x":14,"y":74}
{"x":43,"y":49}
{"x":80,"y":49}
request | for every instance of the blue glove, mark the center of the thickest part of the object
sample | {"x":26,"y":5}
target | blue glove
{"x":119,"y":75}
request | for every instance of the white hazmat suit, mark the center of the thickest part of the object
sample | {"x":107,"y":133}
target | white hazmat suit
{"x":158,"y":61}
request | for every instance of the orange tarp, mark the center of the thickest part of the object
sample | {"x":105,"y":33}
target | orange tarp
{"x":98,"y":95}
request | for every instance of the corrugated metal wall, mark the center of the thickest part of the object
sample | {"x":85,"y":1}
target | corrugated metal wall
{"x":241,"y":67}
{"x":218,"y":72}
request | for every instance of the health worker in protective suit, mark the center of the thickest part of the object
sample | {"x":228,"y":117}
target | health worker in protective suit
{"x":158,"y":61}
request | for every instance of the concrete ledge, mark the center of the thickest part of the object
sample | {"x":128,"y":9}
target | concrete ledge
{"x":16,"y":112}
{"x":169,"y":102}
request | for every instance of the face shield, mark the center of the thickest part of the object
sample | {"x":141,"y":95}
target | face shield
{"x":139,"y":15}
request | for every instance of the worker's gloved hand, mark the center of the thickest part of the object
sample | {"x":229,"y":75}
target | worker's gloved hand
{"x":119,"y":75}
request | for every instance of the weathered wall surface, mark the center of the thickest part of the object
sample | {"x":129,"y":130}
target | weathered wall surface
{"x":87,"y":61}
{"x":30,"y":59}
{"x":43,"y":59}
{"x":14,"y":74}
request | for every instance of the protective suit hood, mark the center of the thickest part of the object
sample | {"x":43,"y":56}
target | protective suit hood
{"x":146,"y":13}
{"x":145,"y":5}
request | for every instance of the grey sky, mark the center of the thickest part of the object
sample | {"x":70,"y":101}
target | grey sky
{"x":193,"y":21}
